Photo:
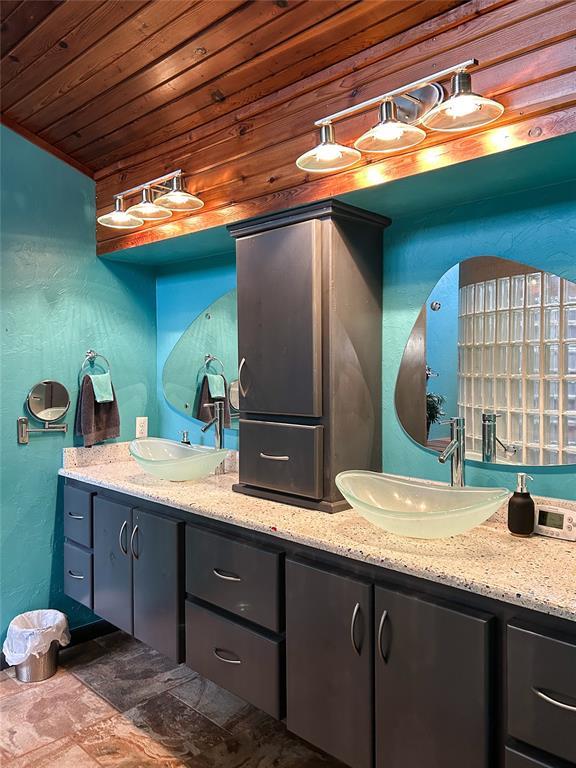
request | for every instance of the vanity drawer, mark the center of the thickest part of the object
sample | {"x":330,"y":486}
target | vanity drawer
{"x":240,"y":660}
{"x":78,"y":515}
{"x":78,"y":573}
{"x":542,"y":691}
{"x":241,"y":578}
{"x":517,"y":759}
{"x":282,"y":457}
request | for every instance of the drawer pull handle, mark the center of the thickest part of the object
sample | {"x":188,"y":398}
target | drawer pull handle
{"x":75,"y":517}
{"x":225,"y":576}
{"x":240,"y":387}
{"x":122,"y":529}
{"x":218,"y":652}
{"x":132,"y":539}
{"x":75,"y":575}
{"x":274,"y":458}
{"x":355,"y":613}
{"x":555,"y":702}
{"x":383,"y":654}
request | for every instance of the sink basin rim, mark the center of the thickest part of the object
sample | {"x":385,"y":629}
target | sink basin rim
{"x":195,"y":451}
{"x":492,"y":495}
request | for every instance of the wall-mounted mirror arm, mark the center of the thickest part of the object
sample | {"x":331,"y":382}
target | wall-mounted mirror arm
{"x":24,"y":430}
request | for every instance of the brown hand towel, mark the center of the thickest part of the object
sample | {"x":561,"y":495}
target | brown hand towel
{"x":205,"y":411}
{"x":95,"y":421}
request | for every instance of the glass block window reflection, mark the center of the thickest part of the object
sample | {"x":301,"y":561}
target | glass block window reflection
{"x":517,"y":357}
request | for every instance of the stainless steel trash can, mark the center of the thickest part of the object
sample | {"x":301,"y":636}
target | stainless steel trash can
{"x":38,"y":668}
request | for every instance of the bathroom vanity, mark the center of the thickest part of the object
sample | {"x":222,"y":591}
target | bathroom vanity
{"x":382,"y":651}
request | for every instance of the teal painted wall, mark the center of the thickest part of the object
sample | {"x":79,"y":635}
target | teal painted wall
{"x":181,"y":294}
{"x":536,"y":227}
{"x":57,"y":300}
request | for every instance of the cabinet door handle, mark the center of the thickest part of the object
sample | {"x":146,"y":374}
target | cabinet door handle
{"x":273,"y":458}
{"x":240,"y":387}
{"x":555,"y":702}
{"x":225,"y":576}
{"x":355,"y":613}
{"x":75,"y":517}
{"x":383,"y":656}
{"x":218,"y":652}
{"x":75,"y":575}
{"x":122,"y":529}
{"x":132,"y":538}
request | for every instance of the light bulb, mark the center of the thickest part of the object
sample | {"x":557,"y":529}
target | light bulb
{"x":119,"y":218}
{"x":328,"y":155}
{"x":390,"y":134}
{"x":462,"y":105}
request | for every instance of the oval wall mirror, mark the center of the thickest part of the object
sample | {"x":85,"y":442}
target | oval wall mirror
{"x":48,"y":401}
{"x":495,"y":342}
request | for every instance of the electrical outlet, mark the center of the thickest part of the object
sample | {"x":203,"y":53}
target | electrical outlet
{"x":141,"y":426}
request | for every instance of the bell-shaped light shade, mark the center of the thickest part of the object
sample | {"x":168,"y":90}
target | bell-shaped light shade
{"x":148,"y":210}
{"x":464,"y":109}
{"x":119,"y":218}
{"x":177,"y":199}
{"x":328,"y":155}
{"x":390,"y":134}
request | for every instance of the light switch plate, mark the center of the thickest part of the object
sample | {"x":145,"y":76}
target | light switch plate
{"x":141,"y":426}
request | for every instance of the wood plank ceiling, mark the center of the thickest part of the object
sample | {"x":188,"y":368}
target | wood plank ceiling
{"x":228,"y":90}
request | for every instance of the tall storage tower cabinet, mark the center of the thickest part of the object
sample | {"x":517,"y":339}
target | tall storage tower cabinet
{"x":309,"y":350}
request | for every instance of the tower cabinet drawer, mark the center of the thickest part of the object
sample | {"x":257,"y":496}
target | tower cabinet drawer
{"x":542,"y":691}
{"x":282,"y":457}
{"x":517,"y":759}
{"x":78,"y":515}
{"x":239,"y":577}
{"x":241,"y":660}
{"x":78,"y":574}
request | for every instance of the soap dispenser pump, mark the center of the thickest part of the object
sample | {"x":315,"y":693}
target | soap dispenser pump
{"x":521,"y":509}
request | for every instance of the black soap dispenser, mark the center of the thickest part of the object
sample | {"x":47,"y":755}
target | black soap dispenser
{"x":521,"y":509}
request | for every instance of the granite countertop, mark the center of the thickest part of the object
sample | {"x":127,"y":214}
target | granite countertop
{"x":536,"y":573}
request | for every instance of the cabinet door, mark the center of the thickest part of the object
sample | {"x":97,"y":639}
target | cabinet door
{"x":154,"y":545}
{"x":112,"y":563}
{"x":432,"y":684}
{"x":329,"y":662}
{"x":279,"y":321}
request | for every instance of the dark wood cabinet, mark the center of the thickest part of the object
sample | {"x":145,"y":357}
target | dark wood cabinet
{"x":113,"y":563}
{"x":279,"y":315}
{"x":329,"y":662}
{"x":432,"y":695}
{"x":157,"y":583}
{"x":137,"y":584}
{"x":309,"y":327}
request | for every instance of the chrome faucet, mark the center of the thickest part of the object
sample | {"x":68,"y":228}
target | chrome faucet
{"x":455,"y":450}
{"x":218,"y":422}
{"x":490,"y":439}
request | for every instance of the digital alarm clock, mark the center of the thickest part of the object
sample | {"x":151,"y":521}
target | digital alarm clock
{"x":556,"y":522}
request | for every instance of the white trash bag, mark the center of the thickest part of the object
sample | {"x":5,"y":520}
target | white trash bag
{"x":31,"y":633}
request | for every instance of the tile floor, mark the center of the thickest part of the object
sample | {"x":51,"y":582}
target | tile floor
{"x":116,"y":703}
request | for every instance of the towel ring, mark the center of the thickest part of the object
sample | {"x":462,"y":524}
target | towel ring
{"x":213,"y":359}
{"x":90,"y":358}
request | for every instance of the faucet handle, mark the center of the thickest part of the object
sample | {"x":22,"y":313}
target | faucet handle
{"x":459,"y":421}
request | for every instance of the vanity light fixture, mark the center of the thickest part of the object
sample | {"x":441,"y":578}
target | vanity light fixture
{"x":119,"y":218}
{"x":177,"y":199}
{"x":159,"y":198}
{"x":390,"y":134}
{"x":401,"y":112}
{"x":464,"y":109}
{"x":148,"y":210}
{"x":328,"y":155}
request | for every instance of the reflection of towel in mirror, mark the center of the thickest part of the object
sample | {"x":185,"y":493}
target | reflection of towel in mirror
{"x":205,"y":411}
{"x":95,"y":421}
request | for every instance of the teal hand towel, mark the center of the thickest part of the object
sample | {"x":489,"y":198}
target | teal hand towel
{"x":216,"y":385}
{"x":102,"y":384}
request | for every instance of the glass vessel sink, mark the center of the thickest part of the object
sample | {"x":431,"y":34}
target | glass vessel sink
{"x":414,"y":507}
{"x":175,"y":461}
